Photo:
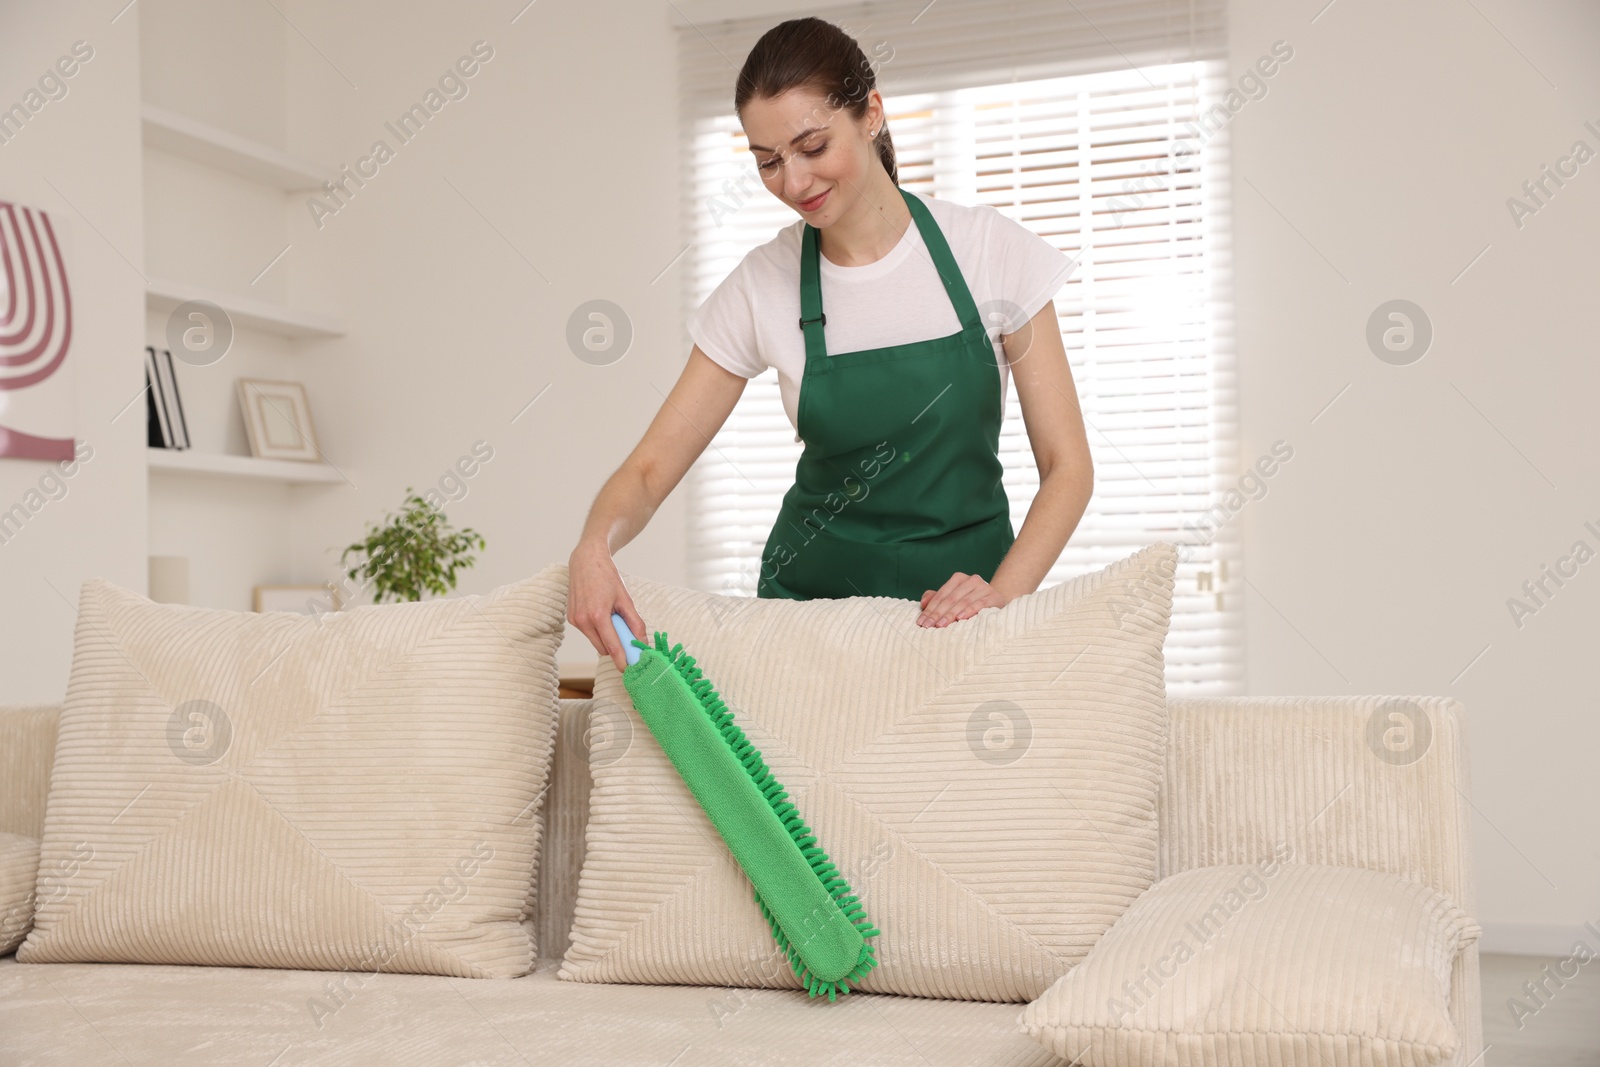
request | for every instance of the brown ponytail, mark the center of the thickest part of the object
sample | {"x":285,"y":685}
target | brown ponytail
{"x":815,"y":54}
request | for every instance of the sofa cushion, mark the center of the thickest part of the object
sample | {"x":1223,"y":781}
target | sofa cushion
{"x":1273,"y":963}
{"x":19,"y":869}
{"x":82,"y":1014}
{"x":988,"y":788}
{"x":355,"y":790}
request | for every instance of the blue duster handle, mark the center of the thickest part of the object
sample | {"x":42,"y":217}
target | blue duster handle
{"x":630,"y":649}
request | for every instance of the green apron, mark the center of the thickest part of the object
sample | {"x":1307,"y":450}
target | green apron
{"x":899,"y":484}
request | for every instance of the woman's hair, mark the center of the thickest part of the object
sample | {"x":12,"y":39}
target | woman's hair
{"x":814,"y":54}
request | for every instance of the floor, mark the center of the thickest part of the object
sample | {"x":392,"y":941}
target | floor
{"x":1565,"y":1032}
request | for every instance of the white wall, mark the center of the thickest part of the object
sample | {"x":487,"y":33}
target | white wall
{"x":553,"y":181}
{"x":1383,"y":557}
{"x":77,"y":159}
{"x":1380,"y":562}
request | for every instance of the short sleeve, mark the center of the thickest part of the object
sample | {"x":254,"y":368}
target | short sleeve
{"x":724,"y":327}
{"x":1031,"y":269}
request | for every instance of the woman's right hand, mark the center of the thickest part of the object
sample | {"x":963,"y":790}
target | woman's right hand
{"x":699,"y":404}
{"x":594,"y":591}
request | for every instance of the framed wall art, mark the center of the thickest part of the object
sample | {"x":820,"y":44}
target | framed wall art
{"x":36,"y":399}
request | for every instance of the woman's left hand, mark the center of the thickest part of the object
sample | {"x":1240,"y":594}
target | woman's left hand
{"x":962,"y":597}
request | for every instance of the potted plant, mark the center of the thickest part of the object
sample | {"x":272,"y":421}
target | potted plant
{"x":412,"y":552}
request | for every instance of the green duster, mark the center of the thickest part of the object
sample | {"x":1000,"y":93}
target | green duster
{"x":815,"y":919}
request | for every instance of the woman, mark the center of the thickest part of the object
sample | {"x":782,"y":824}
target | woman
{"x":898,"y":395}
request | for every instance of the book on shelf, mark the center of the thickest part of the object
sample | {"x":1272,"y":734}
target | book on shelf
{"x":167,"y":427}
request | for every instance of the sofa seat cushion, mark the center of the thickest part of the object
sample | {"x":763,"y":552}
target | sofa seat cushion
{"x":1273,"y":963}
{"x":351,"y":790}
{"x":19,"y":869}
{"x":988,"y":789}
{"x":67,"y":1015}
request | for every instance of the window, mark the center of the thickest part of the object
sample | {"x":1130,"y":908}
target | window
{"x":1120,"y":168}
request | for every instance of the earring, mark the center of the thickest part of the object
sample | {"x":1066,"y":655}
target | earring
{"x":875,"y":132}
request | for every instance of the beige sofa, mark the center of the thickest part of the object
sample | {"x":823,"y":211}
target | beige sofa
{"x":1244,"y":776}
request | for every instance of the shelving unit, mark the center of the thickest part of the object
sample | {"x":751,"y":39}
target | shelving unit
{"x":293,"y":472}
{"x":213,"y":538}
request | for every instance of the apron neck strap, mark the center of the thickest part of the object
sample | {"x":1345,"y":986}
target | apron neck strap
{"x":812,"y":319}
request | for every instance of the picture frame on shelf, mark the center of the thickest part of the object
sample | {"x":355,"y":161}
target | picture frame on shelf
{"x":301,"y":599}
{"x":277,"y":419}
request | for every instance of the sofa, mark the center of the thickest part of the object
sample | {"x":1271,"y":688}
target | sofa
{"x":1247,"y":780}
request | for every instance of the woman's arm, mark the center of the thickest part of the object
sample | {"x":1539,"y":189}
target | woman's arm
{"x":689,"y":418}
{"x":1050,"y":410}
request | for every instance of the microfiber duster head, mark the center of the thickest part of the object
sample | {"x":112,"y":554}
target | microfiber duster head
{"x":815,"y":919}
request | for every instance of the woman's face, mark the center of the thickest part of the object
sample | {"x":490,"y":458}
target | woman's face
{"x":815,"y":157}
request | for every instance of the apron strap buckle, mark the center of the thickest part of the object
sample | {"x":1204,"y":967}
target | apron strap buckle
{"x":822,"y":318}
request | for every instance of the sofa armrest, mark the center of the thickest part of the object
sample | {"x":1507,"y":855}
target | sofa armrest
{"x":1374,"y":782}
{"x":27,"y":751}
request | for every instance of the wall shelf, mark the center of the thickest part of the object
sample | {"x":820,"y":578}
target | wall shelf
{"x":293,"y":472}
{"x":163,"y":295}
{"x":216,"y":147}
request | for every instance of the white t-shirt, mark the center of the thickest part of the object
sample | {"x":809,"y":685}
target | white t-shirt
{"x":751,"y":320}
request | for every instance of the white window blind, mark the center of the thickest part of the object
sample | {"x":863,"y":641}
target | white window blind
{"x":1112,"y":148}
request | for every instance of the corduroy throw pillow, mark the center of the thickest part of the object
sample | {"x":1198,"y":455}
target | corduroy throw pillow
{"x":987,"y":788}
{"x":357,"y":790}
{"x":19,"y":870}
{"x":1275,"y":964}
